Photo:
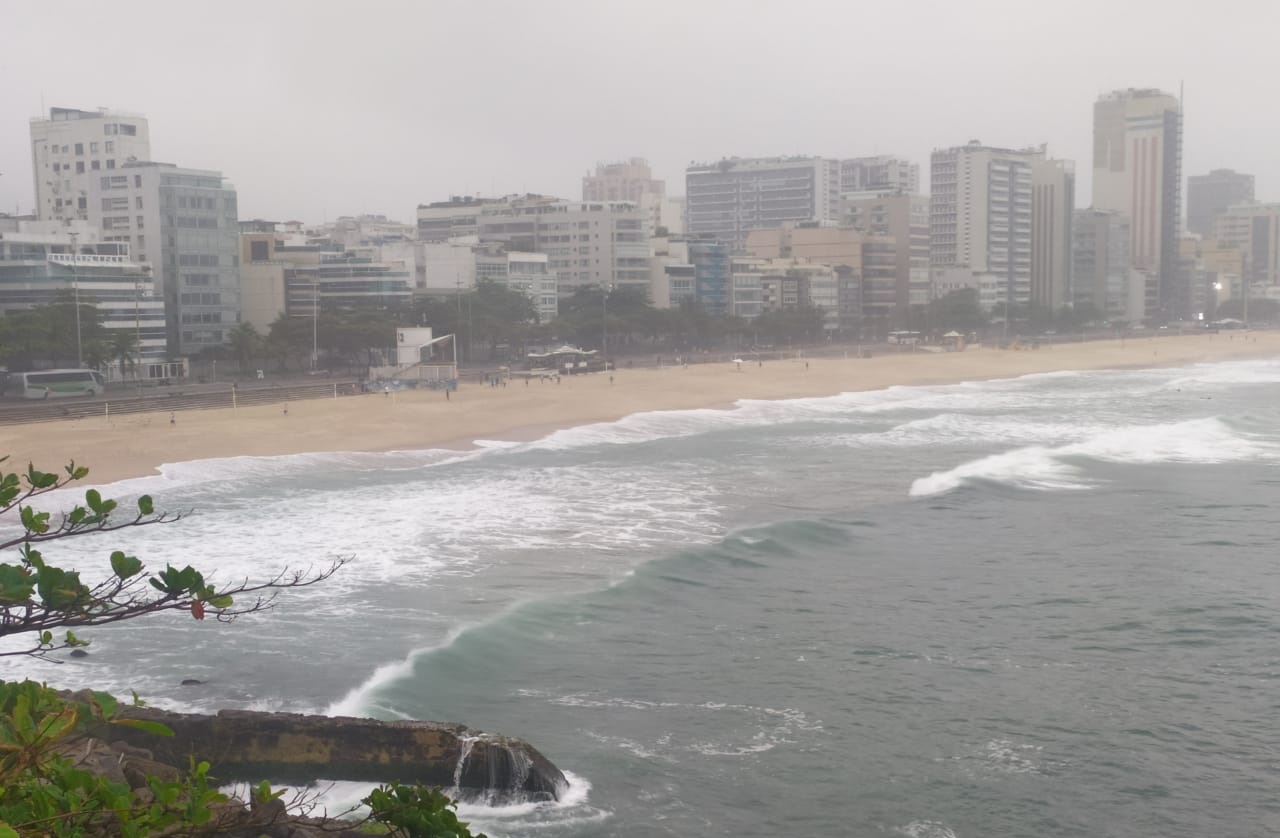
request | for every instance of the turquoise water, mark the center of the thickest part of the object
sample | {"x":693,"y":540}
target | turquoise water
{"x":1046,"y":607}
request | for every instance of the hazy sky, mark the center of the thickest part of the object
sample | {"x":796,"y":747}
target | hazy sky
{"x":318,"y":109}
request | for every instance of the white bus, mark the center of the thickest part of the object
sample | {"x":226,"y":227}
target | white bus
{"x":54,"y":384}
{"x":904,"y":338}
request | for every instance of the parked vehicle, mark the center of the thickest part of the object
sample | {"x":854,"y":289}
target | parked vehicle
{"x":54,"y":384}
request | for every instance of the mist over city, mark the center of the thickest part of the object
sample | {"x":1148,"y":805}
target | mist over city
{"x":655,"y":419}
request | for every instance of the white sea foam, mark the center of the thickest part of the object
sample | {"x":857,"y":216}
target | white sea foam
{"x":964,"y":428}
{"x":1229,"y":374}
{"x":926,"y":829}
{"x":1032,"y":468}
{"x":1195,"y":441}
{"x":342,"y":798}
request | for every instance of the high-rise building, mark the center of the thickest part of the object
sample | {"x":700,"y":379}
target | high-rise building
{"x":980,"y":217}
{"x":1254,"y":229}
{"x":905,"y":217}
{"x":879,"y":174}
{"x":728,"y":199}
{"x":601,"y":243}
{"x":72,"y":148}
{"x":1209,"y":196}
{"x":1053,"y":197}
{"x":629,"y":180}
{"x":1137,"y":170}
{"x":632,"y":180}
{"x":1100,"y":262}
{"x":454,"y":218}
{"x":183,"y":221}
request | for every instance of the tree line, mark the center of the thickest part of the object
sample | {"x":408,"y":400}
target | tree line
{"x":496,"y":324}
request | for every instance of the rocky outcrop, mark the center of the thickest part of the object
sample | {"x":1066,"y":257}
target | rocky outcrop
{"x":297,"y":749}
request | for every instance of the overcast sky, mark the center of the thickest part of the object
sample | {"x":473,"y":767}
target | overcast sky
{"x":318,"y":109}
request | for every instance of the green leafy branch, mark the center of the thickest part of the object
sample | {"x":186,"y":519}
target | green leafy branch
{"x":39,"y":598}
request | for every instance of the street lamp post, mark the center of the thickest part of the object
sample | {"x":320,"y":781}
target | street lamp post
{"x":137,"y":331}
{"x":604,"y":323}
{"x":315,"y":324}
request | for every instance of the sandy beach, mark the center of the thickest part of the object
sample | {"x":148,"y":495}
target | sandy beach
{"x":137,"y":445}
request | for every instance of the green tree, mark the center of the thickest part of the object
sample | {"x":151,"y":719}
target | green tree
{"x":47,"y":334}
{"x":246,"y":345}
{"x":289,"y":339}
{"x":958,"y":311}
{"x":796,"y":324}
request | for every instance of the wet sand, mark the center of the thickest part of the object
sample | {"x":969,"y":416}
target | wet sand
{"x":138,"y":444}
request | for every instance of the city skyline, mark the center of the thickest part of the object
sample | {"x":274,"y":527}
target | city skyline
{"x":316,"y":114}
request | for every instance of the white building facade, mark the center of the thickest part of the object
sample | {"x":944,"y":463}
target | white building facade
{"x":727,"y":200}
{"x":587,"y":243}
{"x":879,"y":174}
{"x":980,"y":217}
{"x":184,"y":222}
{"x":72,"y":148}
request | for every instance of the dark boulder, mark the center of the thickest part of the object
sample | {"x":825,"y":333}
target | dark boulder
{"x":298,"y":749}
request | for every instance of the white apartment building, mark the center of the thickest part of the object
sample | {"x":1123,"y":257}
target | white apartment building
{"x":600,"y":243}
{"x":72,"y":148}
{"x":362,"y":230}
{"x":879,"y":174}
{"x":1137,"y":170}
{"x":184,"y":222}
{"x":456,"y":217}
{"x":727,"y":200}
{"x":980,"y":215}
{"x":527,"y":273}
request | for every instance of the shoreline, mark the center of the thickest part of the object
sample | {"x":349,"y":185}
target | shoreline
{"x":136,"y":445}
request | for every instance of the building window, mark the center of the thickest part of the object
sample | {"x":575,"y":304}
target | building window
{"x":79,"y":149}
{"x":111,"y":164}
{"x":137,"y":181}
{"x":138,"y":201}
{"x":109,"y":146}
{"x":139,"y":222}
{"x":79,"y":167}
{"x":95,"y":165}
{"x":93,"y":148}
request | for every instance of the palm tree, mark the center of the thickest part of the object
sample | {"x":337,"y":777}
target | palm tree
{"x":124,"y":350}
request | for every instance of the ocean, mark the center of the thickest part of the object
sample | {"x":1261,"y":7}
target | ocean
{"x":1046,"y":606}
